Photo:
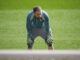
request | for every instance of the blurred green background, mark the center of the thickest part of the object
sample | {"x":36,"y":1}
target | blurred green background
{"x":45,"y":4}
{"x":64,"y":21}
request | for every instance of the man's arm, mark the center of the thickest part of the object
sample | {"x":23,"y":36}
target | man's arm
{"x":47,"y":25}
{"x":49,"y":39}
{"x":28,"y":25}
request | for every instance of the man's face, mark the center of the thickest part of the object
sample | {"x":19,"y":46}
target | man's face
{"x":38,"y":14}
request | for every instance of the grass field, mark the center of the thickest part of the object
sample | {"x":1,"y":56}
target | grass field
{"x":64,"y":21}
{"x":65,"y":25}
{"x":45,"y":4}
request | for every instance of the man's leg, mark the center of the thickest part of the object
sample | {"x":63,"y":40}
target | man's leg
{"x":30,"y":41}
{"x":32,"y":38}
{"x":50,"y":47}
{"x":30,"y":45}
{"x":49,"y":44}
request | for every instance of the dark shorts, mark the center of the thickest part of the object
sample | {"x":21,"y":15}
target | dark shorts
{"x":38,"y":32}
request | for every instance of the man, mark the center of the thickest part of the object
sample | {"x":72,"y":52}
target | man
{"x":38,"y":25}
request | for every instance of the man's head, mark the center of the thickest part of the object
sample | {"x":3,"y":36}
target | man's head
{"x":37,"y":11}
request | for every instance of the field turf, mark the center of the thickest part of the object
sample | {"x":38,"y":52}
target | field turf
{"x":64,"y":21}
{"x":65,"y":25}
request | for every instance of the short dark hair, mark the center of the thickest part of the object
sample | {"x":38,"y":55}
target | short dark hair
{"x":36,"y":8}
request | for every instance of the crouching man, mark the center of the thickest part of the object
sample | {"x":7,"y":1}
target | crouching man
{"x":38,"y":25}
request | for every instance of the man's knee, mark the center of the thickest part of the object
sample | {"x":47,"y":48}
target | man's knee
{"x":30,"y":46}
{"x":30,"y":42}
{"x":49,"y":42}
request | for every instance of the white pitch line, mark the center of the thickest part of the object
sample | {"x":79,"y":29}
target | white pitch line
{"x":39,"y":52}
{"x":57,"y":54}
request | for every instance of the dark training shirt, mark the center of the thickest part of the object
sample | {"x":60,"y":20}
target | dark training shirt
{"x":35,"y":22}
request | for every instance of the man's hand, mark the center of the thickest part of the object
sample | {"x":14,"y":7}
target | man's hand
{"x":50,"y":40}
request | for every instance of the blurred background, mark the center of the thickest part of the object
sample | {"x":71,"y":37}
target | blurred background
{"x":64,"y":21}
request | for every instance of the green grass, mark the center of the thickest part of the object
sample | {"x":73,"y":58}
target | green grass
{"x":45,"y":4}
{"x":65,"y":25}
